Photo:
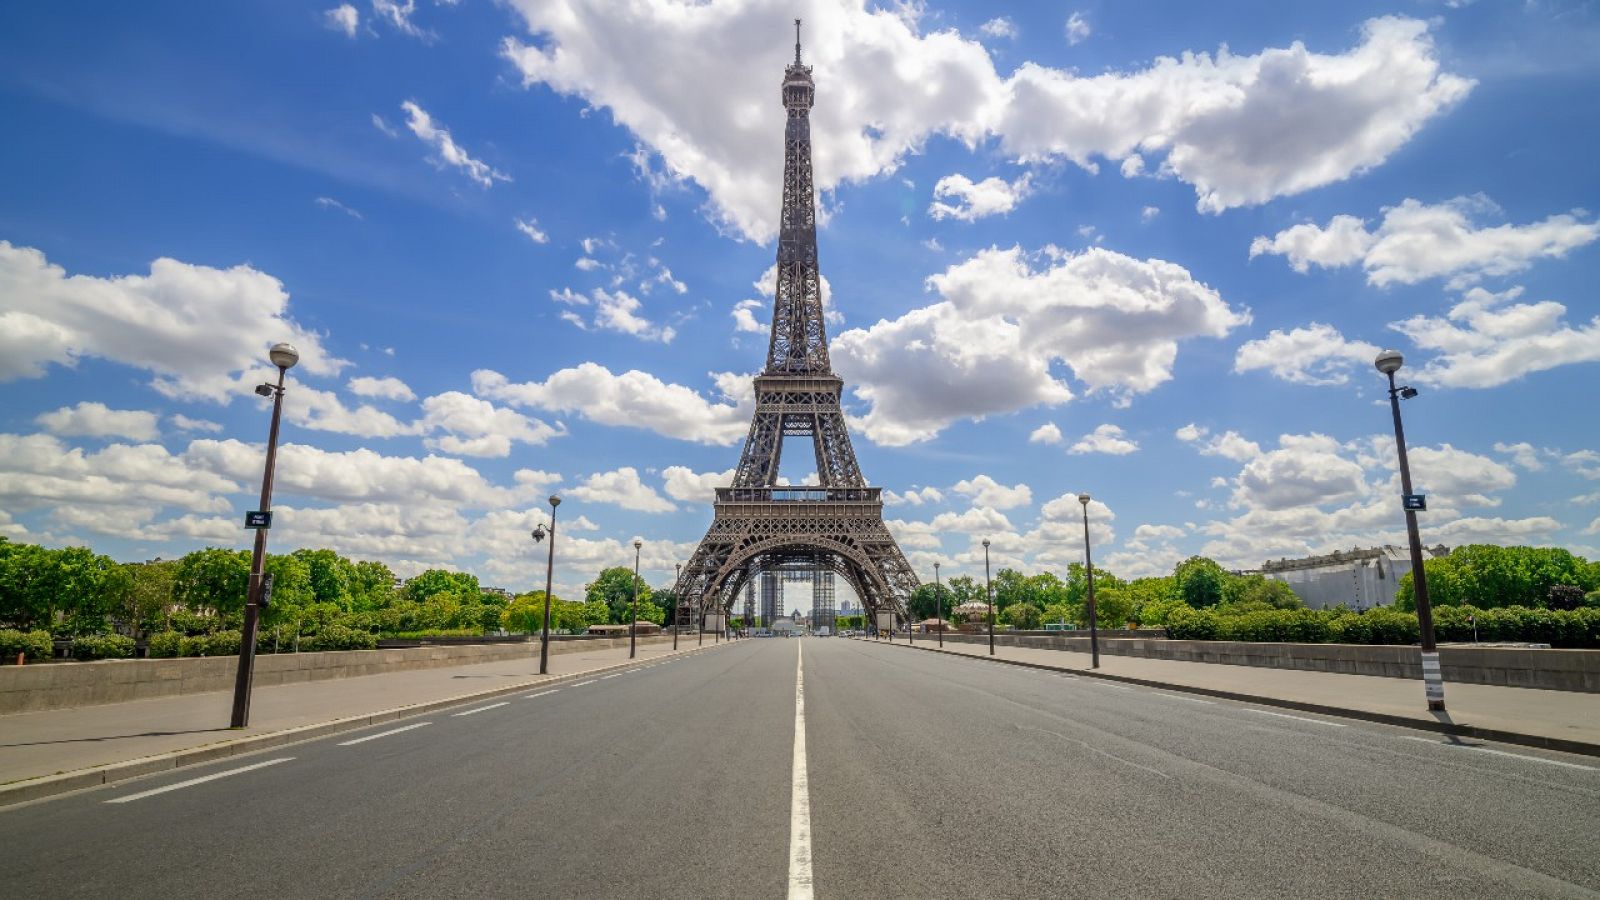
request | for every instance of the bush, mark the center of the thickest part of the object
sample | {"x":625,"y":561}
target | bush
{"x":221,"y":643}
{"x":165,"y":645}
{"x":102,"y":646}
{"x":1298,"y":626}
{"x":338,"y":637}
{"x":1189,"y":624}
{"x":35,"y":645}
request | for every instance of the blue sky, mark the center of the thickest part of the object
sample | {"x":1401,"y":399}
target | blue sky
{"x":1141,"y":250}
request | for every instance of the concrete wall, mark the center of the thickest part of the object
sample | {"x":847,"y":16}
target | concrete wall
{"x":62,"y":685}
{"x":1554,"y":670}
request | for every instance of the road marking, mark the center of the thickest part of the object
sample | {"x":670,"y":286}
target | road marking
{"x":540,"y":694}
{"x":1298,"y":718}
{"x":482,"y":708}
{"x":612,"y":675}
{"x":582,"y":683}
{"x":800,"y":793}
{"x":1540,"y":759}
{"x":1120,"y":687}
{"x":202,"y":780}
{"x":630,"y":671}
{"x":1182,"y":697}
{"x":373,"y":737}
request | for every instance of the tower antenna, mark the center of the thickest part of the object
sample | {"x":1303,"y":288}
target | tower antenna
{"x":797,"y":42}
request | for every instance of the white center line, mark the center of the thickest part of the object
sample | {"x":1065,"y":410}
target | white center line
{"x":540,"y":694}
{"x":1540,"y":759}
{"x":482,"y":708}
{"x":1263,"y":712}
{"x":800,"y":886}
{"x":202,"y":780}
{"x":582,"y":683}
{"x":373,"y":737}
{"x":1182,"y":697}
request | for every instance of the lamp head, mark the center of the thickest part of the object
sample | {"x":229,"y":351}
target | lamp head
{"x":1084,"y":499}
{"x":985,"y":543}
{"x":1389,"y":361}
{"x":538,"y":533}
{"x":284,"y":356}
{"x":1406,"y":393}
{"x":637,"y":543}
{"x":554,"y":501}
{"x":264,"y":390}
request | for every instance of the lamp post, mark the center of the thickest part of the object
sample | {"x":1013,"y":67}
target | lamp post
{"x":633,"y":616}
{"x":1389,"y":362}
{"x":284,"y":356}
{"x":938,"y":603}
{"x":677,"y":606}
{"x":1088,"y":567}
{"x":988,"y":594}
{"x":549,"y":585}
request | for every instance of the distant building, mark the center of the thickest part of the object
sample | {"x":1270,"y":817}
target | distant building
{"x":1360,"y":578}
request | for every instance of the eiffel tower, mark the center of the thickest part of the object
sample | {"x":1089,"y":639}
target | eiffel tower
{"x":838,"y":524}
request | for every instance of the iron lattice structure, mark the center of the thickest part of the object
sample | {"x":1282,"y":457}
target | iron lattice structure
{"x":836,"y":525}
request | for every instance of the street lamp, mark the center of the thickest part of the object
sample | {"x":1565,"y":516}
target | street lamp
{"x":633,"y":624}
{"x":677,"y":605}
{"x":1088,"y":566}
{"x":938,"y":603}
{"x":549,"y":585}
{"x":284,"y":356}
{"x":988,"y":594}
{"x":1389,"y":362}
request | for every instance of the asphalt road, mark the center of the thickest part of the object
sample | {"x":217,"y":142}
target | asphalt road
{"x":930,"y":776}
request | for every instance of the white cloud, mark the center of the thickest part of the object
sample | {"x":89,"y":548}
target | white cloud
{"x":476,"y":427}
{"x":744,"y":316}
{"x":40,"y":472}
{"x":1240,"y":129}
{"x":1416,"y":242}
{"x":194,"y":327}
{"x":91,"y":419}
{"x":973,"y":201}
{"x":1158,"y":532}
{"x":530,"y":227}
{"x":1105,"y":439}
{"x":1048,"y":433}
{"x":1315,"y":354}
{"x":1484,"y":341}
{"x":636,"y":399}
{"x":913,"y":497}
{"x":989,"y":345}
{"x":1077,"y":28}
{"x":985,"y":491}
{"x":320,"y":410}
{"x":685,"y":484}
{"x":184,"y":423}
{"x":330,"y":203}
{"x":617,"y":311}
{"x":1149,"y":213}
{"x":343,"y":17}
{"x":449,"y":153}
{"x":999,"y":27}
{"x":387,"y":388}
{"x":398,"y":16}
{"x":1583,"y":462}
{"x":623,"y":488}
{"x":383,"y":126}
{"x":587,"y":264}
{"x":1228,"y":445}
{"x":1524,"y":454}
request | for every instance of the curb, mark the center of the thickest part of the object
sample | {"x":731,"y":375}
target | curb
{"x":45,"y":786}
{"x":1545,"y":742}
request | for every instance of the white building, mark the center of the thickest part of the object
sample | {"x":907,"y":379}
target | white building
{"x":1358,"y":578}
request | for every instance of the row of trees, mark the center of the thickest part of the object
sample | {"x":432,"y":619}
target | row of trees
{"x":73,"y":592}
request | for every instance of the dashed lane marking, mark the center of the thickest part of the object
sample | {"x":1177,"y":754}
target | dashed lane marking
{"x":373,"y":737}
{"x":202,"y":780}
{"x":1262,"y":712}
{"x":484,"y":708}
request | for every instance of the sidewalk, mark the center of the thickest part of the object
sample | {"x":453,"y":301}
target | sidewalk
{"x":1559,"y":720}
{"x":176,"y":731}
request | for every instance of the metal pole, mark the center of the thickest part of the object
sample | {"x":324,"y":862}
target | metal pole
{"x":677,"y":606}
{"x":1432,"y":680}
{"x":988,"y":594}
{"x":1088,"y":565}
{"x":938,"y":603}
{"x":633,"y":616}
{"x":252,"y":610}
{"x":549,"y":585}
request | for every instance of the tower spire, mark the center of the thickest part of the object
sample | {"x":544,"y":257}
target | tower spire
{"x":797,"y":42}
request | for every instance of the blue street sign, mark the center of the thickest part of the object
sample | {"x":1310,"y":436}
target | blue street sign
{"x":258,"y":519}
{"x":1415,"y":502}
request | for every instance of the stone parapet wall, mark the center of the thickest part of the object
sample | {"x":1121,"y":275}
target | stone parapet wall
{"x":65,"y":685}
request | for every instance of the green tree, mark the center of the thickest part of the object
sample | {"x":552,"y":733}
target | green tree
{"x":931,"y":601}
{"x":1011,"y":586}
{"x":441,"y":581}
{"x":965,"y":589}
{"x":667,"y":599}
{"x":213,"y":581}
{"x":1199,"y":581}
{"x":1489,"y":577}
{"x":332,"y":577}
{"x":149,"y":594}
{"x":1021,"y":614}
{"x":614,"y":587}
{"x":371,"y":585}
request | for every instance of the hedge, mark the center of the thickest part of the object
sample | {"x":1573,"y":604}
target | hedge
{"x":1559,"y":628}
{"x":102,"y":646}
{"x":37,"y":645}
{"x":338,"y":637}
